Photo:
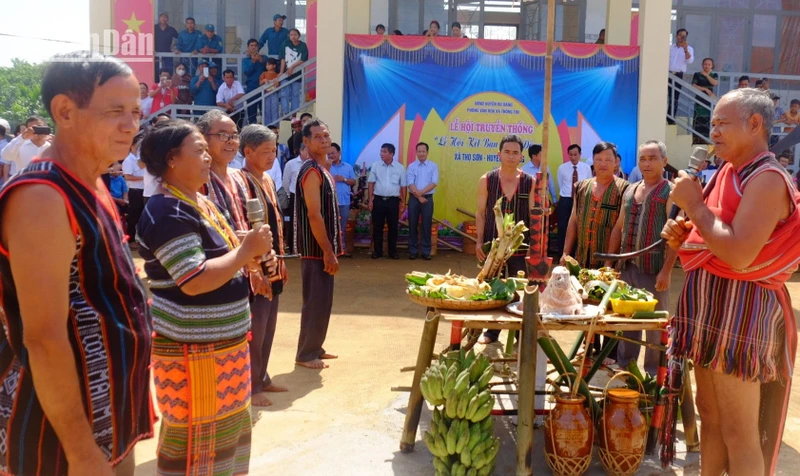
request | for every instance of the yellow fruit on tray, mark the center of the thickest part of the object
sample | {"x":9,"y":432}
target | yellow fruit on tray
{"x":627,"y":308}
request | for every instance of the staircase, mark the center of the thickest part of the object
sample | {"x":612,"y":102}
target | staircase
{"x":679,"y":146}
{"x":256,"y":104}
{"x":679,"y":136}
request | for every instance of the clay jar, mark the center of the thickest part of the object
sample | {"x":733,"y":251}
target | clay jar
{"x":569,"y":434}
{"x":622,"y":432}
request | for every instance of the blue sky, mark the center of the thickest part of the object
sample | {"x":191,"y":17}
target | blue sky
{"x":67,"y":21}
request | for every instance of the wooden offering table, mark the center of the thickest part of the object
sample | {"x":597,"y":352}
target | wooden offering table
{"x":531,"y":328}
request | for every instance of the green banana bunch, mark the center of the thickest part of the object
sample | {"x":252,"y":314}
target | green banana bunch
{"x":463,"y":436}
{"x":452,"y":436}
{"x":476,"y":401}
{"x":441,"y":466}
{"x":449,"y":381}
{"x":486,"y":377}
{"x":483,"y":411}
{"x":461,"y":382}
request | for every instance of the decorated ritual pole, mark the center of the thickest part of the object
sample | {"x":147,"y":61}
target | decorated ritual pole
{"x":537,"y":259}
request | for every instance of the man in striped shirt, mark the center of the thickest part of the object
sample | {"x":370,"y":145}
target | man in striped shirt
{"x":645,"y":205}
{"x":317,"y":238}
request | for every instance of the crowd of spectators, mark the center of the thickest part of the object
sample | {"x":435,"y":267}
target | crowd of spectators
{"x":434,"y":29}
{"x":196,"y":79}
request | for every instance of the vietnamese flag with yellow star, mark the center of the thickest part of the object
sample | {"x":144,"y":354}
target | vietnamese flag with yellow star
{"x":133,"y":21}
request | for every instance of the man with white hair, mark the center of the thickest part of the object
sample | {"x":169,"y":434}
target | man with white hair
{"x":738,"y":245}
{"x":645,"y":205}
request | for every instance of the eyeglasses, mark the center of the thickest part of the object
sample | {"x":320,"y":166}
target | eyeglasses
{"x":225,"y":137}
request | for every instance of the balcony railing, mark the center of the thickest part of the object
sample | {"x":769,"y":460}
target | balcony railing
{"x":259,"y":106}
{"x":190,"y":60}
{"x":689,"y":101}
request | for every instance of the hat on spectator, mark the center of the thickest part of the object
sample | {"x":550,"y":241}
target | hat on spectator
{"x":278,"y":15}
{"x":209,"y":27}
{"x":213,"y":65}
{"x":296,"y":120}
{"x":5,"y":124}
{"x":203,"y":62}
{"x":775,"y":96}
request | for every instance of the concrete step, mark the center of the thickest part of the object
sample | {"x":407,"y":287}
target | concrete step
{"x":679,"y":146}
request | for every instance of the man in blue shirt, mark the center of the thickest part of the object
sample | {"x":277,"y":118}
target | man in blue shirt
{"x":252,"y":66}
{"x":188,"y":43}
{"x":188,"y":39}
{"x":275,"y":36}
{"x":204,"y":88}
{"x":345,"y":179}
{"x":534,"y":166}
{"x":210,"y":43}
{"x":422,"y":177}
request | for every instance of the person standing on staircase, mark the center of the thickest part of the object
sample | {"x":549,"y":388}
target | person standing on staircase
{"x":681,"y":55}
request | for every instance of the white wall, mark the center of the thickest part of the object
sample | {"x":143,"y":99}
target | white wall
{"x":379,"y":14}
{"x":595,"y":18}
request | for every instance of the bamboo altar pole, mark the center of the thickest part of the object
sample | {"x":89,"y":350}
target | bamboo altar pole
{"x":537,"y":259}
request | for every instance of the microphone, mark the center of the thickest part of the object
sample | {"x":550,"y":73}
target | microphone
{"x":699,"y":155}
{"x":255,"y":215}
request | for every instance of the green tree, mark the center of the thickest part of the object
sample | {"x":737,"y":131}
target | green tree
{"x":21,"y":91}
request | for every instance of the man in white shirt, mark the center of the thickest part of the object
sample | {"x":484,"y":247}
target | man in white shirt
{"x":422,"y":178}
{"x":681,"y":55}
{"x":133,"y":171}
{"x":276,"y":175}
{"x":568,"y":174}
{"x":289,"y":181}
{"x":387,"y":192}
{"x":25,"y":147}
{"x":3,"y":144}
{"x":228,"y":95}
{"x":534,"y":166}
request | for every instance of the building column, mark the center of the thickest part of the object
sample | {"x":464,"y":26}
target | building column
{"x":618,"y":22}
{"x":331,"y":28}
{"x":358,"y":16}
{"x":655,"y":17}
{"x":336,"y":18}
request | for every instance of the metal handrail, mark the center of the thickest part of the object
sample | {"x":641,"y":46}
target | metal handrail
{"x":224,"y":60}
{"x":732,"y":77}
{"x":688,"y":92}
{"x":307,"y":78}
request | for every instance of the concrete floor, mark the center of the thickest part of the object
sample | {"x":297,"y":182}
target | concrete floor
{"x":345,"y":420}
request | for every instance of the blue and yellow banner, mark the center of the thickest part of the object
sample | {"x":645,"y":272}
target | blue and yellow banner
{"x":462,"y":96}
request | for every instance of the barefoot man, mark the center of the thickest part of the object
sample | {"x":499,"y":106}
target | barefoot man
{"x":259,"y":145}
{"x":317,"y":238}
{"x":738,"y":246}
{"x":645,"y":207}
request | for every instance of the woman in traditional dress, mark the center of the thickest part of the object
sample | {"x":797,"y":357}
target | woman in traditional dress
{"x":704,"y":81}
{"x":200,"y":309}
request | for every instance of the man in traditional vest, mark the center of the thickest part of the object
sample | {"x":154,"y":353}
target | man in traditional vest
{"x":738,"y":246}
{"x":318,"y":239}
{"x":515,"y":187}
{"x":645,"y":206}
{"x":595,"y":209}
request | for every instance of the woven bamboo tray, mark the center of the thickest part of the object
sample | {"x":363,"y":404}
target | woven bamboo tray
{"x":456,"y":305}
